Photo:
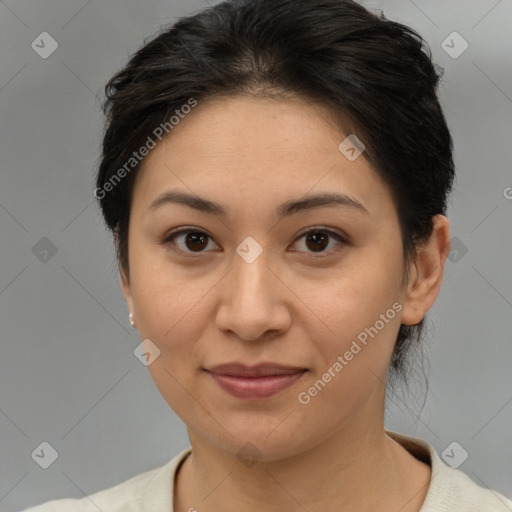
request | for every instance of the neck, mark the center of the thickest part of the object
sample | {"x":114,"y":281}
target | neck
{"x":356,"y":469}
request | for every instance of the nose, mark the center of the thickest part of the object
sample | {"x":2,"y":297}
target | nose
{"x":253,"y":301}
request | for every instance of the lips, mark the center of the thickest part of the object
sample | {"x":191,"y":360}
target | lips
{"x":255,"y":382}
{"x":259,"y":370}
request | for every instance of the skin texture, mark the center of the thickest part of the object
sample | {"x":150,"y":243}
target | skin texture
{"x":289,"y":306}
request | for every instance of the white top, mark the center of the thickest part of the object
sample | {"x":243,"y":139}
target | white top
{"x":450,"y":490}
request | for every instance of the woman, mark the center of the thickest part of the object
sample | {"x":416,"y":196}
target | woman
{"x":275,"y":174}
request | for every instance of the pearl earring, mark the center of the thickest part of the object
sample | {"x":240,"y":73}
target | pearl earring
{"x":132,"y":321}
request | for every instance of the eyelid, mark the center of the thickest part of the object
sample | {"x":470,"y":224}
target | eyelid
{"x":325,"y":229}
{"x":184,"y":229}
{"x":169,"y":237}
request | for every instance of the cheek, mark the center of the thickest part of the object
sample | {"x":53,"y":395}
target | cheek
{"x":354,"y":299}
{"x":161,"y":294}
{"x":361,"y":314}
{"x":171,"y":314}
{"x":355,"y":356}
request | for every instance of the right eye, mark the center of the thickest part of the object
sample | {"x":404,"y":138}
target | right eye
{"x":189,"y":240}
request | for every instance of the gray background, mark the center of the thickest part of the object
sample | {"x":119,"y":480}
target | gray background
{"x":68,"y":373}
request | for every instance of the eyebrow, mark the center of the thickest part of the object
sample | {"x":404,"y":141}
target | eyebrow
{"x":284,"y":210}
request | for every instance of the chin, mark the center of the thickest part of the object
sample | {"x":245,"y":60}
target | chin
{"x":259,"y":445}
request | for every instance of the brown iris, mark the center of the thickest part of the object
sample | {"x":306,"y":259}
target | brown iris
{"x":196,"y":240}
{"x":318,"y":240}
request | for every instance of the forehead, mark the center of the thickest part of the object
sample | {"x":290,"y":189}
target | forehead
{"x":247,"y":126}
{"x":257,"y":148}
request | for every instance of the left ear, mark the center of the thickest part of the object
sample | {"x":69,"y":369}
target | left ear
{"x":426,"y":273}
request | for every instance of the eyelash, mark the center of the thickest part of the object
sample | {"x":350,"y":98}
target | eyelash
{"x":169,"y":239}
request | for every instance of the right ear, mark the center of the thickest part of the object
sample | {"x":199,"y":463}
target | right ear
{"x":127,"y":290}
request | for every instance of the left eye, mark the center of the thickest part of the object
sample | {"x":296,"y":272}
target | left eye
{"x":317,"y":240}
{"x":195,"y":241}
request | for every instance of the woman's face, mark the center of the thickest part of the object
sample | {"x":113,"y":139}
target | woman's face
{"x":266,"y":282}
